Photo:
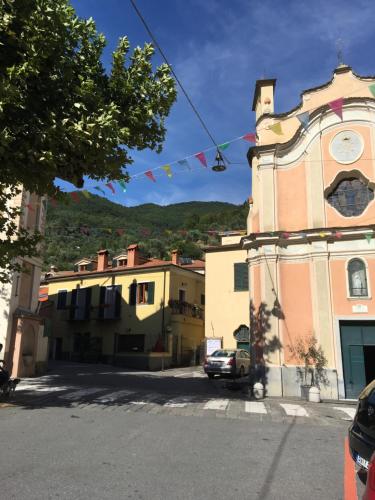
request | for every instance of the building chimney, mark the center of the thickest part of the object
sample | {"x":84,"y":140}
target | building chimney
{"x":175,"y":257}
{"x":102,"y":260}
{"x":133,"y":256}
{"x":263,"y":102}
{"x":53,"y":269}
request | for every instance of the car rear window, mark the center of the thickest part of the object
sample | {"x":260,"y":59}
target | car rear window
{"x":223,"y":354}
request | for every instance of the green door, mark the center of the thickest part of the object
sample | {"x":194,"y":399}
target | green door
{"x":353,"y":337}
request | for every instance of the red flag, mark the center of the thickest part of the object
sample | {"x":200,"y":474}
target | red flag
{"x":74,"y":196}
{"x":29,"y":206}
{"x":338,"y":234}
{"x":285,"y":235}
{"x":202,"y":158}
{"x":336,"y":106}
{"x":110,"y":186}
{"x":249,"y":137}
{"x":150,"y":175}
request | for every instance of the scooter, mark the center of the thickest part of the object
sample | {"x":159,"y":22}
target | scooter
{"x":8,"y":386}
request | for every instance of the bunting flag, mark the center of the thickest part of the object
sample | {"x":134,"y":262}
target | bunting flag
{"x":304,"y":119}
{"x":122,"y":183}
{"x":109,"y":185}
{"x":276,"y":128}
{"x":30,"y":207}
{"x":336,"y":106}
{"x":224,"y":146}
{"x":303,"y":235}
{"x":372,"y":89}
{"x":98,"y":188}
{"x":286,"y":236}
{"x":184,"y":164}
{"x":167,"y":170}
{"x":322,"y":234}
{"x":75,"y":197}
{"x":249,"y":137}
{"x":368,"y":237}
{"x":120,"y":232}
{"x":86,"y":194}
{"x":202,"y":158}
{"x":338,"y":234}
{"x":150,"y":175}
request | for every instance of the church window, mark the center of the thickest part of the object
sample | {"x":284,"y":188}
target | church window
{"x":350,"y":197}
{"x":357,"y":278}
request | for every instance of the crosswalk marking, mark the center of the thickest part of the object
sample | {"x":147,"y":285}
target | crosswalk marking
{"x":255,"y":407}
{"x":139,"y":402}
{"x":179,"y":402}
{"x":82,"y":393}
{"x":41,"y":388}
{"x":348,"y":410}
{"x":113,"y":396}
{"x":216,"y":404}
{"x":294,"y":410}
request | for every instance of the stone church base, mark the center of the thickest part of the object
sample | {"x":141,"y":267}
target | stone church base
{"x":286,"y":381}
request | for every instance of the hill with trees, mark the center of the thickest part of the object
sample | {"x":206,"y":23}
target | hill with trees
{"x":76,"y":230}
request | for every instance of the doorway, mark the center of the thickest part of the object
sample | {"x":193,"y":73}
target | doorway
{"x":358,"y":355}
{"x":369,"y":356}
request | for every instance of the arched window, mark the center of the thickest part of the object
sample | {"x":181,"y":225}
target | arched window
{"x":357,"y":278}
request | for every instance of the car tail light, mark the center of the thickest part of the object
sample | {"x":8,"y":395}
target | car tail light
{"x":231,"y":362}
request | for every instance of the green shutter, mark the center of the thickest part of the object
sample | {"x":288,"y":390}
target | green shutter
{"x":118,"y":300}
{"x":133,"y":294}
{"x":151,"y":292}
{"x":241,"y":277}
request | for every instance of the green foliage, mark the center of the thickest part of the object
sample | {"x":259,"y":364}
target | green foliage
{"x":61,"y":114}
{"x":157,"y":229}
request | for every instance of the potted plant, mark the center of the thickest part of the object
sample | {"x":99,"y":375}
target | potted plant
{"x":310,"y":353}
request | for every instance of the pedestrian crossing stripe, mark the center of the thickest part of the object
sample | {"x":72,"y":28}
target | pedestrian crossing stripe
{"x":349,"y":410}
{"x":294,"y":410}
{"x":255,"y":407}
{"x":216,"y":404}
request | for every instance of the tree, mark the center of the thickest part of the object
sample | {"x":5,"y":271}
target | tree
{"x":61,"y":114}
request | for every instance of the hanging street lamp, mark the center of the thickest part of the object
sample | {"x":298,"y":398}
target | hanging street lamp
{"x":220,"y":165}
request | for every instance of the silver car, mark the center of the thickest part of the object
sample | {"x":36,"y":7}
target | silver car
{"x":230,"y":362}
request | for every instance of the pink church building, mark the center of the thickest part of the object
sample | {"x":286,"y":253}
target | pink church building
{"x":310,"y":245}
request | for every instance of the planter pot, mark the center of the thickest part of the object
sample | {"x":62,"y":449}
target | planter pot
{"x":314,"y":394}
{"x":305,"y":391}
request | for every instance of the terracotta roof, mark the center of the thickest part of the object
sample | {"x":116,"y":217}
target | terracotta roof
{"x":196,"y":264}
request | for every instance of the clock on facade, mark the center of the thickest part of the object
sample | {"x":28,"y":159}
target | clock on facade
{"x":346,"y":146}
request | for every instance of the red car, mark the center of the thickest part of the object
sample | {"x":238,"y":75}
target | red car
{"x":370,"y":483}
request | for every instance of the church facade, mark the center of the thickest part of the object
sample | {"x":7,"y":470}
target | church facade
{"x":310,"y":242}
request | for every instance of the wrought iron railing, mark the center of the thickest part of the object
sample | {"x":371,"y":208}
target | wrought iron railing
{"x":186,"y":309}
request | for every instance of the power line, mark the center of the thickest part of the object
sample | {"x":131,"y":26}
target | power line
{"x":173,"y":73}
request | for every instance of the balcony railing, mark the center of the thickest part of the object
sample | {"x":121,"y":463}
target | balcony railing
{"x":186,"y":309}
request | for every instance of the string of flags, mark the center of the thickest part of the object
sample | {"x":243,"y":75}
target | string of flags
{"x":368,"y":235}
{"x":336,"y":106}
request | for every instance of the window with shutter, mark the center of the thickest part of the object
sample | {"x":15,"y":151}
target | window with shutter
{"x":142,"y":293}
{"x":110,"y":302}
{"x":241,"y":277}
{"x":62,"y":296}
{"x":80,"y":304}
{"x":133,"y":294}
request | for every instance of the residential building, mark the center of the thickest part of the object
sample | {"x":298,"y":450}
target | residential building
{"x":227,"y":294}
{"x":130,"y":311}
{"x":311,"y":250}
{"x":21,"y":325}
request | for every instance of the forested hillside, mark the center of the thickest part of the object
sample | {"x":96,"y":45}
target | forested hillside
{"x":77,"y":230}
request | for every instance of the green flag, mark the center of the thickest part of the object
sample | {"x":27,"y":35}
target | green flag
{"x":223,"y":146}
{"x":372,"y":89}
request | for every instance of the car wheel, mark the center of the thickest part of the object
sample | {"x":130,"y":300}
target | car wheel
{"x":210,"y":375}
{"x":242,"y":372}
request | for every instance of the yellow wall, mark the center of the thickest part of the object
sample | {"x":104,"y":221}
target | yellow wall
{"x":225,"y":309}
{"x":146,"y":319}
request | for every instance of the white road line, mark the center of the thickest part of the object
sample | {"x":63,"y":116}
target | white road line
{"x":42,"y":388}
{"x":82,"y":393}
{"x":139,"y":402}
{"x":113,"y":396}
{"x":216,"y":404}
{"x":254,"y":407}
{"x":179,"y":402}
{"x":294,"y":410}
{"x":348,"y":410}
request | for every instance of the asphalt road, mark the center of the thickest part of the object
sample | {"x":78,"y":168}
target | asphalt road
{"x":136,"y":445}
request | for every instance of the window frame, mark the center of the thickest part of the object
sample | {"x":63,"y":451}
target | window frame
{"x":357,"y":297}
{"x":247,"y":288}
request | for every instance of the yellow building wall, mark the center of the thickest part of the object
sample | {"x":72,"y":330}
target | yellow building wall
{"x":145,"y":319}
{"x":225,"y":309}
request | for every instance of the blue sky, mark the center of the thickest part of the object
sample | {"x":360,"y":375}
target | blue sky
{"x":219,"y":48}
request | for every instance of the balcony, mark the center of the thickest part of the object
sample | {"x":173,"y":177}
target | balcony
{"x":186,"y":309}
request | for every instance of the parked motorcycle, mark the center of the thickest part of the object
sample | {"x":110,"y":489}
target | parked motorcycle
{"x":7,"y":384}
